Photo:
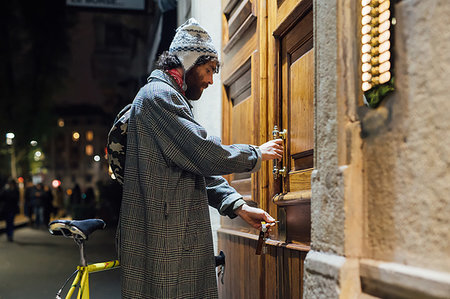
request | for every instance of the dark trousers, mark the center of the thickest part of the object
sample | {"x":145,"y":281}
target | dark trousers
{"x":10,"y":224}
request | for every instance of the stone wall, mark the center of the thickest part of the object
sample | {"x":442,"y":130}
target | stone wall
{"x":382,"y":179}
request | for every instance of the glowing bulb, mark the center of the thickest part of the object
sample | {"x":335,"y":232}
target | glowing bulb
{"x":366,"y":48}
{"x":384,"y":36}
{"x":366,"y":29}
{"x":366,"y":58}
{"x":366,"y":67}
{"x":75,"y":136}
{"x":384,"y":16}
{"x":366,"y":77}
{"x":385,"y":46}
{"x":366,"y":10}
{"x":385,"y":77}
{"x":385,"y":66}
{"x":366,"y":20}
{"x":385,"y":56}
{"x":384,"y":26}
{"x":384,"y":6}
{"x":366,"y":86}
{"x":366,"y":39}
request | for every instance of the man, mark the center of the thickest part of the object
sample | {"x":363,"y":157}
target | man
{"x":171,"y":175}
{"x":9,"y":199}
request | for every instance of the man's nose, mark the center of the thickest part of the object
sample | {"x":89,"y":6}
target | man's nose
{"x":210,"y":80}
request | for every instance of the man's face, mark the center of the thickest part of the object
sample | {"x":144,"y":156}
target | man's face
{"x":198,"y":78}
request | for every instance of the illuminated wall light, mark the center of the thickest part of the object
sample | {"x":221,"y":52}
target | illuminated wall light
{"x":375,"y":48}
{"x":385,"y":77}
{"x":60,"y":122}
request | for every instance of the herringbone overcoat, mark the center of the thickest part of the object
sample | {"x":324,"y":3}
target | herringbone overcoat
{"x":171,"y":174}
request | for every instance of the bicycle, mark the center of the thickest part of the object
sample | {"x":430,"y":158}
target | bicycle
{"x":79,"y":231}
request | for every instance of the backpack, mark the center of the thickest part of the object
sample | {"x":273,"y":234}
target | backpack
{"x":117,"y":144}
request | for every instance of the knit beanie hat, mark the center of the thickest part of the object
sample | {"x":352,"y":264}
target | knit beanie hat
{"x":190,"y":42}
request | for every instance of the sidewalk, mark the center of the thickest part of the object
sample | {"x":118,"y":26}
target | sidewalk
{"x":19,"y":221}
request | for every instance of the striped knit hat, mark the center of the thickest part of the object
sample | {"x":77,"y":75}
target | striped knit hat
{"x":190,"y":42}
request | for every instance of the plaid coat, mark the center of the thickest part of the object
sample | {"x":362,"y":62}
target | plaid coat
{"x":164,"y":235}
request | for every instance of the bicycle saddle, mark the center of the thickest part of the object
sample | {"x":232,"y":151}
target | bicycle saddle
{"x":75,"y":228}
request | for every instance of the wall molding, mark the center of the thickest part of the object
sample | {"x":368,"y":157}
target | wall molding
{"x":384,"y":279}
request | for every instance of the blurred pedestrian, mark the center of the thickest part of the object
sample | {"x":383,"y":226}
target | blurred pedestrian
{"x":75,"y":203}
{"x":38,"y":203}
{"x":47,"y":203}
{"x":58,"y":202}
{"x":9,"y":196}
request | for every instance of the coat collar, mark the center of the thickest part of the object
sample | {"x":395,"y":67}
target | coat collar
{"x":167,"y":78}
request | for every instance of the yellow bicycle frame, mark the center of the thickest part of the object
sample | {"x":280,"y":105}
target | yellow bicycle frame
{"x":83,"y":275}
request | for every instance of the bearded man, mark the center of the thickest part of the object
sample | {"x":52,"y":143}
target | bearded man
{"x":172,"y":172}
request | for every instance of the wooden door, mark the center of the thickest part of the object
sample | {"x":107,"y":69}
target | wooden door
{"x":296,"y":116}
{"x":267,"y":75}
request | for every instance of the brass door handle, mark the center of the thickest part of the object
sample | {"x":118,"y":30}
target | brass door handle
{"x":277,"y":171}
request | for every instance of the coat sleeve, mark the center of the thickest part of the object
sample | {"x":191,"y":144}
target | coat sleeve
{"x":222,"y":196}
{"x":185,"y":143}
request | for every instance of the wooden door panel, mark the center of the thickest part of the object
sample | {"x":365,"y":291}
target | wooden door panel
{"x":242,"y":122}
{"x":300,"y":180}
{"x":242,"y":129}
{"x":302,"y":113}
{"x":297,"y":109}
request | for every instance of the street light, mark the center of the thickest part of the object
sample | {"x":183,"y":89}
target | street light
{"x":9,"y":141}
{"x":9,"y":138}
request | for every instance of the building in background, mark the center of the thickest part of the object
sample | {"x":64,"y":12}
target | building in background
{"x":110,"y":61}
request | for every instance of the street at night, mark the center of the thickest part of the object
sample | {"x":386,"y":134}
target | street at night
{"x":36,"y":264}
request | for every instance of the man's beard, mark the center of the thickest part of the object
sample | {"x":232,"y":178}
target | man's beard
{"x":193,"y":82}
